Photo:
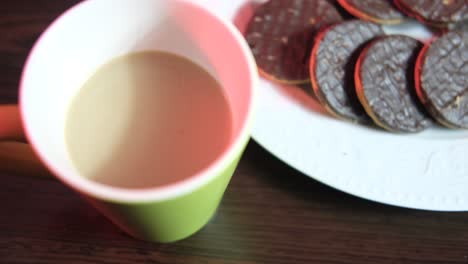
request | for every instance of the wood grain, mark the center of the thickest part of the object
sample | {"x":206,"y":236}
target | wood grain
{"x":270,"y":213}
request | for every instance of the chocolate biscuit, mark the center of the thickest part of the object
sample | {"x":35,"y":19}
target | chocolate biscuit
{"x":435,"y":13}
{"x":281,"y":33}
{"x":442,"y":79}
{"x":333,"y":59}
{"x":385,"y":84}
{"x":377,"y":11}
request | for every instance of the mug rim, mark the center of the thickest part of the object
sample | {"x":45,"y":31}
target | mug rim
{"x":173,"y":190}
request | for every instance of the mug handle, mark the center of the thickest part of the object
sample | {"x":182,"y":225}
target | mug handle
{"x":16,"y":156}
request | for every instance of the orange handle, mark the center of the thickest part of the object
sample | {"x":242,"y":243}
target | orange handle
{"x":16,"y":156}
{"x":10,"y":123}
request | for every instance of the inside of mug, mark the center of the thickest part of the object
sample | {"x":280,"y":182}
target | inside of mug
{"x":94,"y":32}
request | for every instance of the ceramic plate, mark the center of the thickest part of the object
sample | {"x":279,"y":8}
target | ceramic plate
{"x":428,"y":170}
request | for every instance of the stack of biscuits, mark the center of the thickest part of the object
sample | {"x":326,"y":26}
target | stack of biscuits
{"x":360,"y":74}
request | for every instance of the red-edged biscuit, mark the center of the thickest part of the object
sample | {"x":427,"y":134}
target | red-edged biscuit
{"x":442,"y":79}
{"x":441,"y":13}
{"x":281,"y":33}
{"x":385,"y":86}
{"x":333,"y":58}
{"x":377,"y":11}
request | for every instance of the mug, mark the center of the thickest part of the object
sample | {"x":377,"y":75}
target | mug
{"x":92,"y":33}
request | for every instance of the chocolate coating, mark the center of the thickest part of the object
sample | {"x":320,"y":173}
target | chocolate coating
{"x":436,"y":12}
{"x":443,"y":80}
{"x":385,"y":84}
{"x":334,"y":56}
{"x":379,"y":11}
{"x":281,"y":33}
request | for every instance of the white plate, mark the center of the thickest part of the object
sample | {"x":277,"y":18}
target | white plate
{"x":428,"y":170}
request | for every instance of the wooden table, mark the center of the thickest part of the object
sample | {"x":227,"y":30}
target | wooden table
{"x":270,"y":212}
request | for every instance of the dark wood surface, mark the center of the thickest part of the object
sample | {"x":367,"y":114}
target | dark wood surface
{"x":270,"y":212}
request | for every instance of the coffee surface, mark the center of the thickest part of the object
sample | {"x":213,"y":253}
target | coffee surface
{"x":147,"y":119}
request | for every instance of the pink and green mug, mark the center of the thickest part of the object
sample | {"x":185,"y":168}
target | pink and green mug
{"x":89,"y":35}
